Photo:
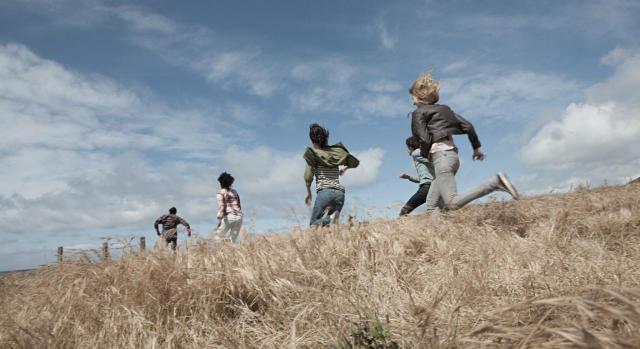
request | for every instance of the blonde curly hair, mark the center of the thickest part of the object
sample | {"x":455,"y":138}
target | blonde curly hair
{"x":425,"y":89}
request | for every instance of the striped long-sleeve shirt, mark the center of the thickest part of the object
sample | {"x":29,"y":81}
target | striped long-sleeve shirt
{"x":228,"y":203}
{"x":327,"y":177}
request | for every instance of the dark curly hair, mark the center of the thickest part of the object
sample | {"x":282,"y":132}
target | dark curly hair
{"x":319,"y":135}
{"x":413,"y":142}
{"x":226,"y":180}
{"x":173,"y":210}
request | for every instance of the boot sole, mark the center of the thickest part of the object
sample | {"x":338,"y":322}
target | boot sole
{"x":508,"y":185}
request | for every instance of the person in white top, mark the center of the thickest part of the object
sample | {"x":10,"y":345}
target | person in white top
{"x":229,"y":209}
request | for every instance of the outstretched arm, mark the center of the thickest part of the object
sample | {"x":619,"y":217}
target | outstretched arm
{"x":410,"y":178}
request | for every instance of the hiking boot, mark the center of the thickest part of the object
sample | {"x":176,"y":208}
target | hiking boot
{"x":507,"y":186}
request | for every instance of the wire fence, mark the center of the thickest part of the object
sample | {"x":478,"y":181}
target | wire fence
{"x":107,"y":250}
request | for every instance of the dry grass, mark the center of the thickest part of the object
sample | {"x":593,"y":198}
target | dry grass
{"x":557,"y":271}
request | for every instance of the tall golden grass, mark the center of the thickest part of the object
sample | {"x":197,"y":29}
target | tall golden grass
{"x":557,"y":271}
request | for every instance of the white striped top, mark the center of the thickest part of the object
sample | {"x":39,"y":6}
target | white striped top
{"x":327,"y":177}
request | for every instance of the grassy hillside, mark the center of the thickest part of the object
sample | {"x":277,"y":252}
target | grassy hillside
{"x":560,"y":271}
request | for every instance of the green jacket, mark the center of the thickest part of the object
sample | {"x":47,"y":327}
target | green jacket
{"x":333,"y":155}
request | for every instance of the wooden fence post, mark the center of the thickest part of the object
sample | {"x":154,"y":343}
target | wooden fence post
{"x":105,"y":250}
{"x":60,"y":252}
{"x":142,"y":243}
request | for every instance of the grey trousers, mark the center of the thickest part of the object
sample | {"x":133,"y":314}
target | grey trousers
{"x":446,"y":164}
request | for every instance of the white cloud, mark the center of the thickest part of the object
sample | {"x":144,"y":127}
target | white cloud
{"x":129,"y":191}
{"x":383,"y":105}
{"x":500,"y":94}
{"x":595,"y":140}
{"x":82,"y":151}
{"x":616,"y":56}
{"x":340,"y":87}
{"x":385,"y":86}
{"x":585,"y":133}
{"x":367,"y":172}
{"x":387,"y":40}
{"x":271,"y":182}
{"x":199,"y":49}
{"x":265,"y":171}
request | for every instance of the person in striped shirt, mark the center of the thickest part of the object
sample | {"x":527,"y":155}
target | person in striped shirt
{"x":229,"y":209}
{"x":326,"y":163}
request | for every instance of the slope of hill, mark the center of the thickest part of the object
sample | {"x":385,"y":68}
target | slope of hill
{"x":558,"y":271}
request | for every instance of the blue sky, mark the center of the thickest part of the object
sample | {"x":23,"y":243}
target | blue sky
{"x":112,"y":112}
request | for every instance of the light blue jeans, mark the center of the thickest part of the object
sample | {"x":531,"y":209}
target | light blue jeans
{"x":328,"y":201}
{"x":446,"y":164}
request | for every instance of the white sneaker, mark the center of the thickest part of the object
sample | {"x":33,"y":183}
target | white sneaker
{"x":507,"y":185}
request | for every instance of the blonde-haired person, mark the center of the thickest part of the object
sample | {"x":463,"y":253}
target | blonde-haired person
{"x":229,"y":209}
{"x":435,"y":124}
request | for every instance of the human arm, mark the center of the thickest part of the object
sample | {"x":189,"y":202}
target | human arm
{"x":155,"y":225}
{"x":186,"y":225}
{"x":410,"y":178}
{"x":419,"y":129}
{"x":467,"y":127}
{"x":308,"y":196}
{"x":220,"y":199}
{"x":308,"y":179}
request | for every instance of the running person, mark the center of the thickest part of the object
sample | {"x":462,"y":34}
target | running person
{"x":435,"y":124}
{"x":424,"y":169}
{"x":229,"y":209}
{"x":170,"y":224}
{"x":326,"y":163}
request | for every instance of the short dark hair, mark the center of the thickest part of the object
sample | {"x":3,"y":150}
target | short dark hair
{"x":318,"y":135}
{"x":413,"y":142}
{"x":173,"y":210}
{"x":226,"y":180}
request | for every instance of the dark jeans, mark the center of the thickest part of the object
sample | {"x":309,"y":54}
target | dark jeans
{"x":173,"y":242}
{"x":419,"y":198}
{"x":328,"y":201}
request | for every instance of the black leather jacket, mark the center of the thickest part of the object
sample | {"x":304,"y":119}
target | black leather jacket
{"x":433,"y":122}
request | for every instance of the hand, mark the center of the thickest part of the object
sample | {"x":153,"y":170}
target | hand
{"x":189,"y":233}
{"x":308,"y":198}
{"x":343,"y":169}
{"x":404,"y":176}
{"x":478,"y":155}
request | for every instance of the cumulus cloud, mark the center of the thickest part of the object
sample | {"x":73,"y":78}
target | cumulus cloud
{"x":367,"y":173}
{"x":264,"y":171}
{"x":271,"y":182}
{"x":585,"y":133}
{"x":595,"y":140}
{"x":82,"y":151}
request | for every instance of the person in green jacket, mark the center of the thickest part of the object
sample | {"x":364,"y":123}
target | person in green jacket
{"x":326,"y":163}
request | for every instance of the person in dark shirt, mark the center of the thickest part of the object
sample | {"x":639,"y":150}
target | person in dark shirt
{"x":170,"y":227}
